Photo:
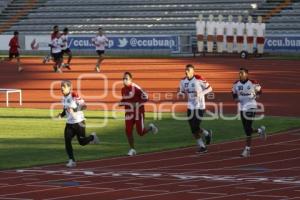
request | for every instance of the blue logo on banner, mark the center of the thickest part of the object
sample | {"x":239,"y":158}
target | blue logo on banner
{"x":282,"y":43}
{"x":129,"y":42}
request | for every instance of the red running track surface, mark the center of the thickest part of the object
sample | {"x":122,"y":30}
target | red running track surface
{"x":271,"y":173}
{"x":160,"y":78}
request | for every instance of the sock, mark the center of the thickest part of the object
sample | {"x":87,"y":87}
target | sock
{"x":247,"y":148}
{"x":205,"y":132}
{"x":201,"y":143}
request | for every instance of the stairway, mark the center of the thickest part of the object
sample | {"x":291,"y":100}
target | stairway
{"x":269,"y":9}
{"x":16,"y":11}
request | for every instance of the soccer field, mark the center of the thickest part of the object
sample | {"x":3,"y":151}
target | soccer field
{"x":30,"y":137}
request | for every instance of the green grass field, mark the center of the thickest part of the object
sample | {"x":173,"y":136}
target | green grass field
{"x":30,"y":137}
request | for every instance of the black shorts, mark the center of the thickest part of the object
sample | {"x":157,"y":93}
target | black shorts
{"x":13,"y":55}
{"x":100,"y":52}
{"x":247,"y":120}
{"x":57,"y":56}
{"x":195,"y":119}
{"x":66,"y":51}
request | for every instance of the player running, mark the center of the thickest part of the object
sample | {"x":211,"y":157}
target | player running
{"x":245,"y":92}
{"x":133,"y":98}
{"x":100,"y":41}
{"x":56,"y":49}
{"x":195,"y":88}
{"x":66,"y":49}
{"x":73,"y":107}
{"x":14,"y":50}
{"x":54,"y":33}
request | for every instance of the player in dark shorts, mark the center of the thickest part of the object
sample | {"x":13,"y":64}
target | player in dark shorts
{"x":56,"y":45}
{"x":48,"y":57}
{"x":66,"y":49}
{"x":100,"y":41}
{"x":195,"y":88}
{"x":14,"y":51}
{"x":73,"y":106}
{"x":245,"y":92}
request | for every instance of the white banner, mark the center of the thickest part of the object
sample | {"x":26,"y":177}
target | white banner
{"x":37,"y":42}
{"x":4,"y":41}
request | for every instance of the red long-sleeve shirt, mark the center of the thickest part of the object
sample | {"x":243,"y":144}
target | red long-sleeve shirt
{"x":14,"y":45}
{"x":133,"y":94}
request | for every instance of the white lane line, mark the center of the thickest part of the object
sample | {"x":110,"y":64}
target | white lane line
{"x":267,"y":196}
{"x":188,"y":154}
{"x":208,"y":193}
{"x":239,"y":194}
{"x":145,"y":190}
{"x":227,"y":159}
{"x":89,"y":170}
{"x":186,"y":182}
{"x":31,"y":179}
{"x":173,"y":183}
{"x":97,"y":188}
{"x":134,"y":183}
{"x":238,"y":140}
{"x":44,"y":186}
{"x":113,"y":173}
{"x":258,"y":191}
{"x":197,"y":186}
{"x":245,"y":188}
{"x":283,"y":160}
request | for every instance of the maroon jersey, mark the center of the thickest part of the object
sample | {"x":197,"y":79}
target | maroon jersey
{"x":133,"y":94}
{"x":14,"y":45}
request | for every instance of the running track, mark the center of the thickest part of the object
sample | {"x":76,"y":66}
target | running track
{"x":159,"y":78}
{"x":271,"y":173}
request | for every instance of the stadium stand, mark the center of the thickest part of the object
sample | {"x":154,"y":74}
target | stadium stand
{"x":123,"y":16}
{"x":140,"y":16}
{"x":3,"y":4}
{"x":278,"y":24}
{"x":10,"y":16}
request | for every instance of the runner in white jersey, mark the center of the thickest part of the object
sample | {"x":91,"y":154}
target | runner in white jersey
{"x":56,"y":50}
{"x":66,"y":49}
{"x":195,"y":88}
{"x":245,"y":92}
{"x":75,"y":126}
{"x":100,"y":41}
{"x":48,"y":57}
